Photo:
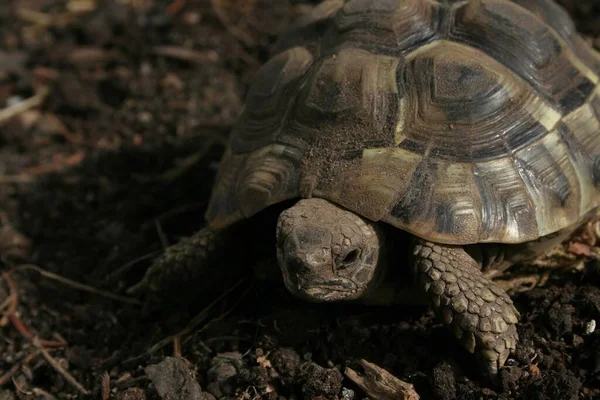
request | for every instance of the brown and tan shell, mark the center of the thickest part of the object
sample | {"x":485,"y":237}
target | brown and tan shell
{"x":459,"y":121}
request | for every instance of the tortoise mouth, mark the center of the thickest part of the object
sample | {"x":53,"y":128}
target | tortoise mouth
{"x":326,"y":292}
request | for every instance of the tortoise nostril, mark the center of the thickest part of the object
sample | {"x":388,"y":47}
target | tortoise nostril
{"x":308,"y":261}
{"x":296,"y":265}
{"x":350,"y":258}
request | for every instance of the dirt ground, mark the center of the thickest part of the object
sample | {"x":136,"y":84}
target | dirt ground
{"x":113,"y":116}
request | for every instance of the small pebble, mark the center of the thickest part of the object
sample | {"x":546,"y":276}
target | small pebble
{"x":347,"y":394}
{"x":145,"y":117}
{"x":146,"y":68}
{"x":590,"y":327}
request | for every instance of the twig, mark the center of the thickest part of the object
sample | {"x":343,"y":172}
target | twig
{"x":131,"y":382}
{"x":82,"y":7}
{"x":186,"y":164}
{"x":78,"y":285}
{"x":226,"y":313}
{"x":15,"y":178}
{"x":40,"y":393}
{"x":8,"y":301}
{"x":11,"y":315}
{"x":45,"y":20}
{"x":54,"y":364}
{"x":176,"y":6}
{"x":9,"y":374}
{"x":13,"y":298}
{"x":177,"y":346}
{"x":13,"y":244}
{"x":197,"y":320}
{"x":59,"y":337}
{"x":4,"y":379}
{"x":184,"y":54}
{"x":231,"y":28}
{"x":20,"y":326}
{"x":20,"y":388}
{"x":105,"y":388}
{"x":36,"y":17}
{"x":125,"y":268}
{"x":61,"y":164}
{"x":162,"y":237}
{"x":34,"y":101}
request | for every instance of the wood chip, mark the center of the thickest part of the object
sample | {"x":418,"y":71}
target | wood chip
{"x":8,"y":113}
{"x":90,"y":55}
{"x":189,"y":55}
{"x":105,"y":386}
{"x":379,"y":384}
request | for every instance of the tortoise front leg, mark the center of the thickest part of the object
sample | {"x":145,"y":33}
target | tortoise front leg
{"x":480,"y":313}
{"x":199,"y":266}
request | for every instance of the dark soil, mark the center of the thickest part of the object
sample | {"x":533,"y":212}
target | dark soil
{"x":118,"y":160}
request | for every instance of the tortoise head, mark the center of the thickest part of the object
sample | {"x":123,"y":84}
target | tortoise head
{"x":327,"y":253}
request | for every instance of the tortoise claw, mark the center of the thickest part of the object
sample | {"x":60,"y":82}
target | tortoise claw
{"x":493,"y":351}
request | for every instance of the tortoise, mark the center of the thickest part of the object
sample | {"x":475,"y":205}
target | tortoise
{"x":473,"y":127}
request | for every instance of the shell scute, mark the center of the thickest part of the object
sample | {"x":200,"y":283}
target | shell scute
{"x":553,"y":15}
{"x":371,"y":182}
{"x":552,"y":181}
{"x":269,"y":176}
{"x":268,"y":99}
{"x":459,"y":98}
{"x":529,"y":47}
{"x":307,"y":30}
{"x":350,"y":102}
{"x":387,"y":27}
{"x":507,"y":210}
{"x":449,"y":215}
{"x":580,"y":131}
{"x":558,"y":19}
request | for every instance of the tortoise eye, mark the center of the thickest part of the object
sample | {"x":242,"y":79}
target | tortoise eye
{"x":350,"y":258}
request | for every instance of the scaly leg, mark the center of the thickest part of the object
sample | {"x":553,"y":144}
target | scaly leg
{"x":197,"y":266}
{"x":480,"y":313}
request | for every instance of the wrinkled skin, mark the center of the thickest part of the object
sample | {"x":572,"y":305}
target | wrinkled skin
{"x":328,"y":254}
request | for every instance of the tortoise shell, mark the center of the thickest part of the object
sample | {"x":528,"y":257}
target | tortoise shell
{"x":458,"y":121}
